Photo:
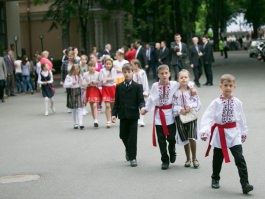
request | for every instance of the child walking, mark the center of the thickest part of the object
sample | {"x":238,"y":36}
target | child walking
{"x":108,"y":80}
{"x":73,"y":83}
{"x":128,"y":102}
{"x":83,"y":69}
{"x":161,"y":96}
{"x":140,"y":77}
{"x":45,"y":79}
{"x":183,"y":103}
{"x":225,"y":123}
{"x":93,"y":96}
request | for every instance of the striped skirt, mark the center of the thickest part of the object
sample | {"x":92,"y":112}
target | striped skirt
{"x":74,"y":98}
{"x":186,"y":131}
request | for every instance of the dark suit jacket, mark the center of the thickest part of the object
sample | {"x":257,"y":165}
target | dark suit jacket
{"x":178,"y":59}
{"x":10,"y":66}
{"x":141,"y":56}
{"x":164,"y":56}
{"x":194,"y":57}
{"x":128,"y":101}
{"x":208,"y":53}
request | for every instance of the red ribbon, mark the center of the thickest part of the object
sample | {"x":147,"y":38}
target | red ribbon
{"x":221,"y":131}
{"x":163,"y":121}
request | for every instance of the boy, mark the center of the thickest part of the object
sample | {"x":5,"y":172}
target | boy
{"x":161,"y":96}
{"x":128,"y":100}
{"x":225,"y":122}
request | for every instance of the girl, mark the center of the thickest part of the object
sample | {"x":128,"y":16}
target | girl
{"x":108,"y":79}
{"x":183,"y":102}
{"x":118,"y":64}
{"x":73,"y":83}
{"x":26,"y":73}
{"x":93,"y":96}
{"x":83,"y":68}
{"x":140,"y":77}
{"x":45,"y":79}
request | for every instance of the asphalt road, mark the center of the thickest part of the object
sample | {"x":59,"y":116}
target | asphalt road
{"x":90,"y":164}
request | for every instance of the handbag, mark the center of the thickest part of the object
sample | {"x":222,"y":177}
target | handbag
{"x":188,"y":117}
{"x":52,"y":88}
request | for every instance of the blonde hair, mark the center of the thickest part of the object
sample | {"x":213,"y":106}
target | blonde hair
{"x":228,"y":77}
{"x":162,"y":67}
{"x":74,"y":66}
{"x":136,"y":62}
{"x":184,"y":71}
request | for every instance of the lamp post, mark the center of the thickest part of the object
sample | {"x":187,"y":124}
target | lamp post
{"x":41,"y":41}
{"x":16,"y":39}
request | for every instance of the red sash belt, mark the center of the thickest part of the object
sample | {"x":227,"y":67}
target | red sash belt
{"x":221,"y":131}
{"x":163,"y":121}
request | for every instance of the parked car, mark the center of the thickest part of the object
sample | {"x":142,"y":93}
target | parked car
{"x":253,"y":50}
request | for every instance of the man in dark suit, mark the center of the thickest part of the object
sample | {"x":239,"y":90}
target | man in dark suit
{"x":10,"y":66}
{"x":179,"y":52}
{"x":129,"y":100}
{"x":107,"y":50}
{"x":195,"y":56}
{"x":141,"y":54}
{"x":164,"y":54}
{"x":207,"y":61}
{"x":150,"y":57}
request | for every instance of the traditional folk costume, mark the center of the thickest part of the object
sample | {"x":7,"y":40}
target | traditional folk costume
{"x":161,"y":97}
{"x":140,"y":77}
{"x":83,"y":70}
{"x":181,"y":101}
{"x":118,"y":66}
{"x":74,"y":99}
{"x":47,"y":93}
{"x":92,"y":92}
{"x":108,"y":88}
{"x":224,"y":121}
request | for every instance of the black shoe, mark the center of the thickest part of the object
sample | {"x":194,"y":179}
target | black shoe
{"x":164,"y":166}
{"x":82,"y":127}
{"x":247,"y":188}
{"x":215,"y":184}
{"x":12,"y":95}
{"x":198,"y":85}
{"x":127,"y":156}
{"x":3,"y":100}
{"x":172,"y":158}
{"x":133,"y":163}
{"x":95,"y":124}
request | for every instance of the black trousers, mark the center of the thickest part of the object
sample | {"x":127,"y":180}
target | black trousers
{"x":177,"y":67}
{"x":208,"y":73}
{"x":197,"y":71}
{"x":128,"y":134}
{"x":162,"y":141}
{"x":2,"y":87}
{"x":240,"y":162}
{"x":10,"y":85}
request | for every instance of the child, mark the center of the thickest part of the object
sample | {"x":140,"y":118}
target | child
{"x":118,"y":64}
{"x":73,"y":82}
{"x":45,"y":79}
{"x":139,"y":76}
{"x":93,"y":96}
{"x":224,"y":121}
{"x":161,"y":96}
{"x":128,"y":101}
{"x":83,"y":69}
{"x":183,"y":102}
{"x":108,"y":79}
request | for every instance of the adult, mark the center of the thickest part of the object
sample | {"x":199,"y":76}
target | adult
{"x":207,"y":60}
{"x":18,"y":74}
{"x":3,"y":76}
{"x":140,"y":54}
{"x":149,"y":50}
{"x":195,"y":57}
{"x":10,"y":67}
{"x":45,"y":59}
{"x":179,"y":52}
{"x":130,"y":54}
{"x":25,"y":66}
{"x":164,"y":54}
{"x":107,"y":50}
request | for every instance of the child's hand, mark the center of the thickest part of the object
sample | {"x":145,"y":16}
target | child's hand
{"x":113,"y":119}
{"x":143,"y":111}
{"x":243,"y":138}
{"x":74,"y":82}
{"x":193,"y":91}
{"x":182,"y":112}
{"x":187,"y":109}
{"x":204,"y":136}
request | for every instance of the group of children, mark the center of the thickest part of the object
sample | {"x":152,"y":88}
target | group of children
{"x":223,"y":121}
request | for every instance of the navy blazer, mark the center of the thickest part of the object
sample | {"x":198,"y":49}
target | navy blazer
{"x":128,"y":101}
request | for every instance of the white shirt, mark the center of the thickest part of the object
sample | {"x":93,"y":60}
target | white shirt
{"x":88,"y":77}
{"x":68,"y":82}
{"x":17,"y":64}
{"x":141,"y":78}
{"x":118,"y":66}
{"x":223,"y":111}
{"x":107,"y":74}
{"x":45,"y":74}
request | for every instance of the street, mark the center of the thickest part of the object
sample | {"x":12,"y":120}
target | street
{"x":90,"y":164}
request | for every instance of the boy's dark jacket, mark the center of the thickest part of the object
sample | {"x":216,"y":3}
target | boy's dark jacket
{"x":128,"y":101}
